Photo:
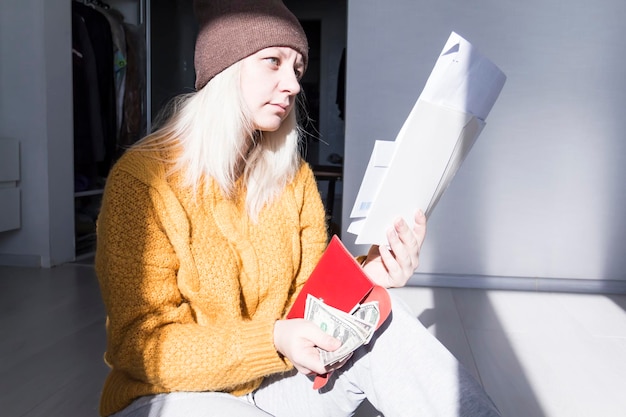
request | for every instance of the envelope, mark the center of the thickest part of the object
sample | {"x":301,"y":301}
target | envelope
{"x":433,"y":142}
{"x":417,"y":174}
{"x":372,"y":180}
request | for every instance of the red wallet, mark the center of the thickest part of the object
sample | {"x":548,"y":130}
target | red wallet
{"x":340,"y":282}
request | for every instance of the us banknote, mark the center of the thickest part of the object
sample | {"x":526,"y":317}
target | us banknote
{"x":353,"y":329}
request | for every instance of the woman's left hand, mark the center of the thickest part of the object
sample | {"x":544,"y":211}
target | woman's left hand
{"x":393,"y":266}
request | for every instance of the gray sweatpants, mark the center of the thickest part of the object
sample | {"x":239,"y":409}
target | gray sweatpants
{"x":403,"y":371}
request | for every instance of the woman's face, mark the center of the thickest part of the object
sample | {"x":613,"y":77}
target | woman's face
{"x":270,"y":81}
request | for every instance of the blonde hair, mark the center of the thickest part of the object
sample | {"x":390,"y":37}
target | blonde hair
{"x":209,"y":134}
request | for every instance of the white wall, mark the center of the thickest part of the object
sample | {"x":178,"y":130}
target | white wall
{"x":36,"y":109}
{"x":541,"y":193}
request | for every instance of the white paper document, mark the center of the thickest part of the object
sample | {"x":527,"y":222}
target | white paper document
{"x":413,"y":171}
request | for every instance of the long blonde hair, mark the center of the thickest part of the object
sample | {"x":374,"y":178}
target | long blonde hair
{"x":209,"y":134}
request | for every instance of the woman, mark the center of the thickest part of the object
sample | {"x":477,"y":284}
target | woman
{"x":209,"y":228}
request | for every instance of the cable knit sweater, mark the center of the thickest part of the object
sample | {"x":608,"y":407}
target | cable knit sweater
{"x":192,"y":286}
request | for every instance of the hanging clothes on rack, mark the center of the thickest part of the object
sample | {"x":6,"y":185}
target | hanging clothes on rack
{"x":95,"y":126}
{"x":109,"y":88}
{"x":118,"y":33}
{"x":108,"y":64}
{"x":134,"y":124}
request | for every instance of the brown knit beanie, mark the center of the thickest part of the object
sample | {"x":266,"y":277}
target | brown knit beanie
{"x":230,"y":30}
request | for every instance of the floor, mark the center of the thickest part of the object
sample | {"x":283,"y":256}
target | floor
{"x":536,"y":354}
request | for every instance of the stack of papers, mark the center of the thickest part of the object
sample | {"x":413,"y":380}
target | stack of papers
{"x":413,"y":171}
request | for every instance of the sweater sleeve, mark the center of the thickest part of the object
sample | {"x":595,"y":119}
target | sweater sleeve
{"x":153,"y":337}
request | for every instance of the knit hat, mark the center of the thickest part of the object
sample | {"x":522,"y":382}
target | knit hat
{"x":230,"y":30}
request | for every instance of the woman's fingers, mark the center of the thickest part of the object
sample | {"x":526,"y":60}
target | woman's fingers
{"x":419,"y":229}
{"x":393,"y":265}
{"x":401,"y":259}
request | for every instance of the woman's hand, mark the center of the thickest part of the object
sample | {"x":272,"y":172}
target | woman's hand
{"x":393,"y":266}
{"x":298,"y":340}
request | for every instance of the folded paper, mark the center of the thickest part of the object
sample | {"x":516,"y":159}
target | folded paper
{"x":413,"y":171}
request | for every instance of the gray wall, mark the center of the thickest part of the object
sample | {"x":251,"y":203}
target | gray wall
{"x":36,"y":109}
{"x":541,"y":193}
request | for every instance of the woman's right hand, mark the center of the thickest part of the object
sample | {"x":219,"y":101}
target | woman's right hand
{"x":298,"y":340}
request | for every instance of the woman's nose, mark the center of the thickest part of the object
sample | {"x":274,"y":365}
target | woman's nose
{"x":289,"y":82}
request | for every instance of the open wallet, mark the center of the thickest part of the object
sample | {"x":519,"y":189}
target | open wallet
{"x":338,"y":282}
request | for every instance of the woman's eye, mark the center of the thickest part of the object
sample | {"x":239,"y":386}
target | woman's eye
{"x":273,"y":60}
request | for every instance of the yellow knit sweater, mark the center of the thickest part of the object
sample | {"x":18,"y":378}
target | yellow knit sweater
{"x":192,"y":287}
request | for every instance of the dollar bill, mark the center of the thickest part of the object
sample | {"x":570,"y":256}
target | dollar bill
{"x":352,"y":330}
{"x":368,"y":314}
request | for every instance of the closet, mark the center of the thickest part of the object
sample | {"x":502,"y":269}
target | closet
{"x":110,"y":91}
